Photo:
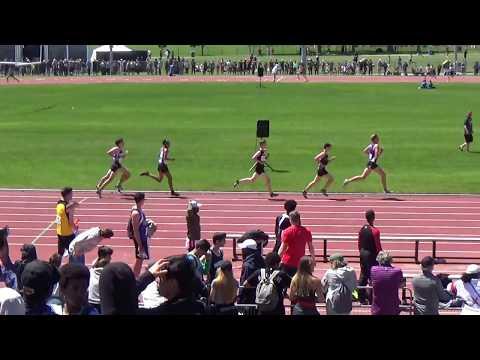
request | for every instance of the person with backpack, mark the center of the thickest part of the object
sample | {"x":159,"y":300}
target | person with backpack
{"x":340,"y":281}
{"x":252,"y":261}
{"x":271,"y":285}
{"x":282,"y":222}
{"x":200,"y":257}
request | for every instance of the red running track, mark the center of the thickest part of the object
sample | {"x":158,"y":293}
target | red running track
{"x":30,"y":214}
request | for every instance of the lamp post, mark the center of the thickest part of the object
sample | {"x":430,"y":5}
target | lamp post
{"x":111,"y":58}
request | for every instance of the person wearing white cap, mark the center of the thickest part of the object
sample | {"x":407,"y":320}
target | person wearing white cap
{"x":252,"y":261}
{"x":468,"y":289}
{"x":193,"y":224}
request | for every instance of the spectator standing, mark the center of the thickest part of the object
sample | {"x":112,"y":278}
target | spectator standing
{"x":200,"y":258}
{"x":223,"y":293}
{"x":386,"y":280}
{"x":294,"y":240}
{"x":369,"y":246}
{"x":74,"y":280}
{"x":37,"y":280}
{"x":7,"y":269}
{"x":104,"y":258}
{"x":193,"y":224}
{"x":56,"y":261}
{"x":280,"y":279}
{"x":282,"y":222}
{"x":86,"y":242}
{"x":305,"y":288}
{"x":339,"y":281}
{"x":64,"y":220}
{"x":252,"y":261}
{"x":28,"y":254}
{"x":177,"y":283}
{"x":11,"y":302}
{"x":216,"y":253}
{"x":428,"y":291}
{"x":467,"y":132}
{"x":468,"y":289}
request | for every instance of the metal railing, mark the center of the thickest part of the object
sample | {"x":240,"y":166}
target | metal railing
{"x":385,"y":239}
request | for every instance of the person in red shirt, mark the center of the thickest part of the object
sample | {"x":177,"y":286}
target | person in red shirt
{"x":294,"y":240}
{"x":369,"y":246}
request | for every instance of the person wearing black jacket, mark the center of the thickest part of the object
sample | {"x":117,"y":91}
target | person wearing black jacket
{"x":29,"y":254}
{"x":282,"y":222}
{"x":177,"y":285}
{"x":252,"y":262}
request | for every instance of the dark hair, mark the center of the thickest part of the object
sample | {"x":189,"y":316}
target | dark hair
{"x":55,"y":260}
{"x":203,"y":245}
{"x":73,"y":271}
{"x":3,"y":236}
{"x":104,"y":251}
{"x":466,"y":278}
{"x":106,"y":233}
{"x":139,"y":196}
{"x":166,"y":142}
{"x":272,"y":260}
{"x":118,"y":141}
{"x":327,"y":145}
{"x":290,"y":205}
{"x":370,"y":216}
{"x":218,"y":237}
{"x":180,"y":268}
{"x":427,"y":261}
{"x":66,"y":191}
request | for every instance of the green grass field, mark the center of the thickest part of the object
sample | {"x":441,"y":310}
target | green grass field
{"x":53,"y":136}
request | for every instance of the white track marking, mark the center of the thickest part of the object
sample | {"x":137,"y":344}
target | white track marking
{"x":44,"y":231}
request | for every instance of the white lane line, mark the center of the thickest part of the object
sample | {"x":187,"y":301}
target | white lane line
{"x":43,"y":232}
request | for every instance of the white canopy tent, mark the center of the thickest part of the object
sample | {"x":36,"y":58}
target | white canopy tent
{"x":106,"y":48}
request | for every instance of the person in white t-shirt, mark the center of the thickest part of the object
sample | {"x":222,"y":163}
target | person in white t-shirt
{"x":87,"y":241}
{"x":468,"y":289}
{"x":103,"y":259}
{"x":275,"y":70}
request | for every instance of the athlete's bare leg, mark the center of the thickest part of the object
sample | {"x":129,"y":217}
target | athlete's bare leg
{"x":249,"y":180}
{"x":311,"y":184}
{"x":383,"y":178}
{"x":125,"y":177}
{"x":364,"y":175}
{"x":104,"y":181}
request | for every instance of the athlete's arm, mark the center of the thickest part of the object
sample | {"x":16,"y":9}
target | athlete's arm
{"x":254,"y":157}
{"x":136,"y":229}
{"x":113,"y":150}
{"x":365,"y":151}
{"x":320,"y":156}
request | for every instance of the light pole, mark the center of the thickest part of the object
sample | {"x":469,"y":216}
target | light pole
{"x":111,"y":58}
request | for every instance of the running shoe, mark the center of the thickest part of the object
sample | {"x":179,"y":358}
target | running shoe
{"x":324,"y":192}
{"x":119,"y":188}
{"x":387,"y":191}
{"x":145,"y":173}
{"x":273,"y":194}
{"x":460,"y":148}
{"x":173,"y":193}
{"x":236,"y":183}
{"x":345,"y":182}
{"x":99,"y":193}
{"x":304,"y":193}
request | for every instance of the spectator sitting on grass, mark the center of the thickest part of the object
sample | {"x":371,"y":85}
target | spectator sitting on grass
{"x":37,"y":280}
{"x":428,"y":291}
{"x":252,"y":261}
{"x":11,"y":302}
{"x":216,"y":253}
{"x":177,"y":283}
{"x":280,"y":279}
{"x":340,"y":281}
{"x":468,"y":289}
{"x":103,"y":259}
{"x":74,"y":280}
{"x":223,"y":293}
{"x":386,"y":280}
{"x":306,"y":289}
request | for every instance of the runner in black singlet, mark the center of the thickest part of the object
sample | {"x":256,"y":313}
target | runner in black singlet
{"x":322,"y":160}
{"x":118,"y":153}
{"x":260,"y":158}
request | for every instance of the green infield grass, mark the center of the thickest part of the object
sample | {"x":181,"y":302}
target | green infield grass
{"x":53,"y":136}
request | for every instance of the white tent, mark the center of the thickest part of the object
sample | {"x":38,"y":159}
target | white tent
{"x":106,"y":48}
